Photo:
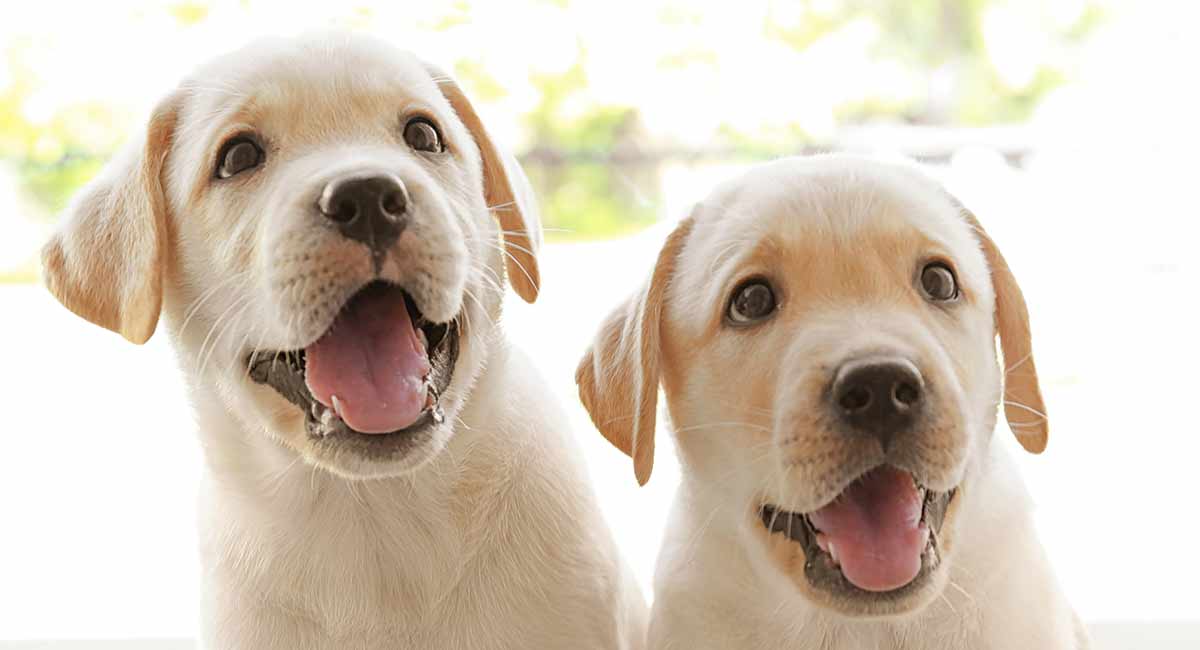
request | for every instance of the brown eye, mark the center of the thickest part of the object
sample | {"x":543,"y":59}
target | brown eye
{"x":422,"y":135}
{"x":938,"y":283}
{"x":752,"y":301}
{"x":238,"y":155}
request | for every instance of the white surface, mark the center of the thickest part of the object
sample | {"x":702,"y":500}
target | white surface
{"x":1106,"y":636}
{"x":99,"y":466}
{"x":98,"y":463}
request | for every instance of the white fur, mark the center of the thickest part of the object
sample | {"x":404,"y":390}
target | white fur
{"x":486,"y":533}
{"x":842,"y":239}
{"x":712,"y":592}
{"x":496,"y":543}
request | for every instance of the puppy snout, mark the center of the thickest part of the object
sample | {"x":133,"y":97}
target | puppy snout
{"x":878,"y":396}
{"x":370,"y":208}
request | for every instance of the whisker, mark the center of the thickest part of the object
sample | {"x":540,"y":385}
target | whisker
{"x":731,"y":423}
{"x":204,"y":297}
{"x":1022,"y":425}
{"x":691,"y":546}
{"x":519,"y":266}
{"x":961,"y":591}
{"x":213,"y":328}
{"x":521,"y":232}
{"x":1022,"y":360}
{"x":1025,"y":407}
{"x":502,"y":206}
{"x":619,"y":418}
{"x":947,"y":601}
{"x":273,"y":482}
{"x":246,"y":304}
{"x":489,"y":276}
{"x":509,"y":244}
{"x":742,"y":406}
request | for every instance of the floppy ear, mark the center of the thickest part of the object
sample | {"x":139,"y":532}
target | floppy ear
{"x":618,"y":377}
{"x":106,"y":261}
{"x":507,"y":192}
{"x":1023,"y":406}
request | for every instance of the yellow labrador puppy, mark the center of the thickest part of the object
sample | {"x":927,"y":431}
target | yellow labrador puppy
{"x":325,"y":226}
{"x":824,"y":332}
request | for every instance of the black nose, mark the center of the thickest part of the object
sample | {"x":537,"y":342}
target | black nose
{"x":879,"y":397}
{"x":372,"y":209}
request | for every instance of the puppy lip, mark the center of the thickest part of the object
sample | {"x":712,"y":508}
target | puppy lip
{"x":822,"y":569}
{"x":284,"y":371}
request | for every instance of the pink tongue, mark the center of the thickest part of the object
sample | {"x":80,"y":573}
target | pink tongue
{"x":372,"y":360}
{"x":875,"y":528}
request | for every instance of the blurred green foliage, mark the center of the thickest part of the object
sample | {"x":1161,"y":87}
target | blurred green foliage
{"x":52,"y":154}
{"x":589,"y":198}
{"x":594,"y":164}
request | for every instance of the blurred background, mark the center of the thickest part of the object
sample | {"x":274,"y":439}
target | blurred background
{"x":1069,"y":127}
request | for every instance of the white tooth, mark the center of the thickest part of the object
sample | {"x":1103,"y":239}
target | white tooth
{"x":421,"y":337}
{"x":833,"y":553}
{"x":823,"y":542}
{"x":337,"y":405}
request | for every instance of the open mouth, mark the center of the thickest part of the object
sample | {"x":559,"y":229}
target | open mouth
{"x":879,"y":536}
{"x":374,"y":378}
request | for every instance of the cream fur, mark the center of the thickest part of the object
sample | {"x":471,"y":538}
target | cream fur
{"x":842,"y":240}
{"x":486,"y":535}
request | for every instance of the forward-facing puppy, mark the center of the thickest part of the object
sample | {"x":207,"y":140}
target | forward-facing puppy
{"x":824,"y":331}
{"x":325,"y":226}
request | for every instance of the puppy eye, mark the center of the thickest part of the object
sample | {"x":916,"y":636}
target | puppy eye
{"x":238,"y":155}
{"x":938,"y":283}
{"x":423,"y":135}
{"x":752,"y":301}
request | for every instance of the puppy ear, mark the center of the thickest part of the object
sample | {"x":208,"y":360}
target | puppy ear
{"x":507,"y":192}
{"x":1023,"y":405}
{"x":106,"y":261}
{"x":618,"y":377}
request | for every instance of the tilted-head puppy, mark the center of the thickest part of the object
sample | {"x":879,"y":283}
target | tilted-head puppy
{"x":325,"y":226}
{"x":824,"y":332}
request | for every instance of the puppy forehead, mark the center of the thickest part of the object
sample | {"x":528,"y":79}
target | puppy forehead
{"x":831,"y":204}
{"x":272,"y":66}
{"x":315,"y":85}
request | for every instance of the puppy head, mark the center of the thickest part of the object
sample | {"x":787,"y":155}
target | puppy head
{"x":824,"y":331}
{"x":325,"y":224}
